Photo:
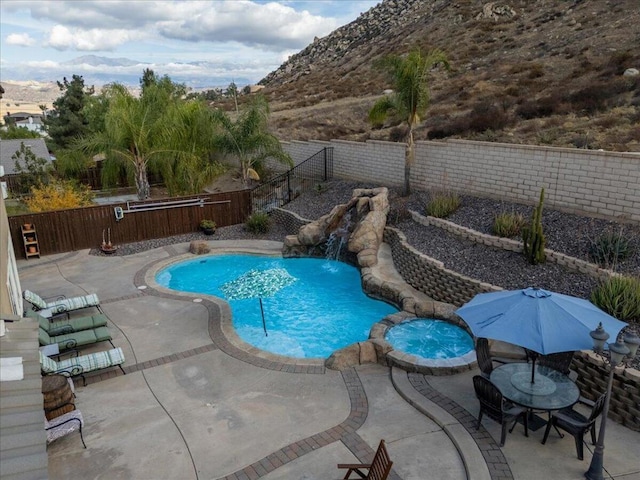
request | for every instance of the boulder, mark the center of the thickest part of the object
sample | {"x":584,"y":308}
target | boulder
{"x":199,"y":247}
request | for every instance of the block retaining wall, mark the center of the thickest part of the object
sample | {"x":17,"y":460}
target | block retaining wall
{"x":567,"y":261}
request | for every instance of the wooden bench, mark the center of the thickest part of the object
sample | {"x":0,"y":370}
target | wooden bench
{"x":377,"y":470}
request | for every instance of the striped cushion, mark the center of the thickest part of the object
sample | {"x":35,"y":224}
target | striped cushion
{"x":93,"y":361}
{"x":48,"y":365}
{"x":34,"y":299}
{"x":75,"y":303}
{"x":62,"y":425}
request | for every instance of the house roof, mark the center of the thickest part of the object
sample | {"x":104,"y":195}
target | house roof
{"x":23,"y":448}
{"x":9,"y":147}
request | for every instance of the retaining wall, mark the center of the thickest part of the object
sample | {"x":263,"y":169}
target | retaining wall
{"x":595,"y":183}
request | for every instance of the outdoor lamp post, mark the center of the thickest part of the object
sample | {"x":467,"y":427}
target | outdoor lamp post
{"x":617,"y":353}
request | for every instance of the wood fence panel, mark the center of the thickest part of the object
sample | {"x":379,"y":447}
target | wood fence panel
{"x":79,"y":228}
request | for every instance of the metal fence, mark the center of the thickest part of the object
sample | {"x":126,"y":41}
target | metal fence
{"x":283,"y":188}
{"x":78,"y":228}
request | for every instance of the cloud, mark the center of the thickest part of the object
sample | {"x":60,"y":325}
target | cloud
{"x":63,"y":38}
{"x":20,"y":39}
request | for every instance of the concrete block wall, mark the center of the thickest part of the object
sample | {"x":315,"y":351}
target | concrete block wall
{"x":599,"y":184}
{"x":372,"y":161}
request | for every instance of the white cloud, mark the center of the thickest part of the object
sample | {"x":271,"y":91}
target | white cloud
{"x":20,"y":39}
{"x":63,"y":38}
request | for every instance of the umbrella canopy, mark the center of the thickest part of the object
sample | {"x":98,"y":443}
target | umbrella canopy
{"x":257,"y":284}
{"x":542,"y":321}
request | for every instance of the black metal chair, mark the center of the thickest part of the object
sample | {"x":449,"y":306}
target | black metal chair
{"x":558,"y":361}
{"x":576,"y":424}
{"x":483,"y":355}
{"x":493,"y":404}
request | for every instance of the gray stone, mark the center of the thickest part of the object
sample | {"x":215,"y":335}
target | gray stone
{"x":199,"y":247}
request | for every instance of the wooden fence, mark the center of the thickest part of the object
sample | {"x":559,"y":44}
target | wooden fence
{"x":80,"y":228}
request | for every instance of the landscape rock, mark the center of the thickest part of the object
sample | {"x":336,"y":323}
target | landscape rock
{"x":199,"y":247}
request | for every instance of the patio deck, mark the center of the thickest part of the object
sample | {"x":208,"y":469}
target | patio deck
{"x":193,"y":406}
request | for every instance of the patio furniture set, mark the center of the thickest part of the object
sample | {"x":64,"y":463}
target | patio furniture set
{"x":548,"y":327}
{"x":59,"y":335}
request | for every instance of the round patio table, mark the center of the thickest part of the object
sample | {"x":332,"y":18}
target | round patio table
{"x":552,"y":390}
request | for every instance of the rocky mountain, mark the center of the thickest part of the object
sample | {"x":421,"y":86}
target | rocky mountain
{"x":551,"y":72}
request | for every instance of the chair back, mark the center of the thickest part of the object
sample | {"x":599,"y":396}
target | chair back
{"x":381,"y":464}
{"x":598,"y":406}
{"x":483,"y":356}
{"x":489,"y":396}
{"x":558,"y":361}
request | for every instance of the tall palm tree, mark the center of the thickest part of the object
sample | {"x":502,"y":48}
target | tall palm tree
{"x":248,"y":138}
{"x":410,"y":99}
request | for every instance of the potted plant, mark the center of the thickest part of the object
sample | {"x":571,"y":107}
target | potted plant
{"x":208,"y":227}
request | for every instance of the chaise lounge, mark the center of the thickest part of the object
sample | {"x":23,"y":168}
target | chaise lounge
{"x":61,"y":304}
{"x":71,"y":325}
{"x":75,"y":339}
{"x":78,"y":366}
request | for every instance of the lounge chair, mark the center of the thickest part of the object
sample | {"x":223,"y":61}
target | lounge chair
{"x":78,"y":366}
{"x":378,"y":469}
{"x":61,"y":304}
{"x":64,"y":425}
{"x":71,"y":325}
{"x":75,"y":339}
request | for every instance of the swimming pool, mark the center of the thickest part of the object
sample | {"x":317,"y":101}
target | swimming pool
{"x":430,"y":338}
{"x":324,"y":310}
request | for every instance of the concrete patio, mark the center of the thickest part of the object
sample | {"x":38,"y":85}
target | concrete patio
{"x":193,"y":406}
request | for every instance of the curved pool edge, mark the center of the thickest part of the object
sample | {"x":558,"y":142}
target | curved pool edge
{"x":413,"y":363}
{"x":222,"y":322}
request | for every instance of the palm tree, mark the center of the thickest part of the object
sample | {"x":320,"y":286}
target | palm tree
{"x":132,"y":135}
{"x":249,"y":140}
{"x":410,"y":99}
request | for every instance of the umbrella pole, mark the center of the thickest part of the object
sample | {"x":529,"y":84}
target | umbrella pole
{"x":534,"y":357}
{"x":264,"y":325}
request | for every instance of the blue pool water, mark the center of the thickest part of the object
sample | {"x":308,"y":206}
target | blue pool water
{"x":323,"y":310}
{"x":429,"y":338}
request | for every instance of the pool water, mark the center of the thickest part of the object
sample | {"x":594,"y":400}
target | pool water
{"x":324,"y":310}
{"x":430,"y":338}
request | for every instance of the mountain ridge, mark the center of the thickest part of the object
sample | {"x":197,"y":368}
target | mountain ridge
{"x":536,"y":72}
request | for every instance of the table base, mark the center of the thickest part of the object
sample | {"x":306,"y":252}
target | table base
{"x":534,"y":422}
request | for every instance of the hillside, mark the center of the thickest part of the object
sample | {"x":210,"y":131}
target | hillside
{"x":549,"y":72}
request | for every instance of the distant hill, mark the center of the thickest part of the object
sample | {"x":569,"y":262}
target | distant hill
{"x":550,"y":72}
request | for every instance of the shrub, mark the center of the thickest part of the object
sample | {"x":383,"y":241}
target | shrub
{"x":619,"y":297}
{"x":207,"y":224}
{"x":508,"y":224}
{"x":58,"y":195}
{"x":258,"y":222}
{"x":486,"y":115}
{"x":533,"y":236}
{"x":609,"y":248}
{"x":443,"y":204}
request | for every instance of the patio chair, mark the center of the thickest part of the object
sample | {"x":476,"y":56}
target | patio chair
{"x":486,"y":359}
{"x":576,"y":424}
{"x":64,"y":425}
{"x":493,"y":404}
{"x":78,"y":366}
{"x":378,"y":469}
{"x":61,"y":304}
{"x":70,"y":325}
{"x":558,"y":361}
{"x":75,"y":339}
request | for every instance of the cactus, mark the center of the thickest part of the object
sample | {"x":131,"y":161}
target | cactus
{"x":533,"y":237}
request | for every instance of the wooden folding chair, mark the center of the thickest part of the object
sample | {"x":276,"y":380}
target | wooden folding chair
{"x":378,"y":469}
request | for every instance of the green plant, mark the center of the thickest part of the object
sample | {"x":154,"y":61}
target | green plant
{"x":533,"y":237}
{"x":207,"y":224}
{"x":443,"y":204}
{"x":609,"y":248}
{"x":619,"y":296}
{"x":320,"y":187}
{"x":258,"y":222}
{"x":508,"y":224}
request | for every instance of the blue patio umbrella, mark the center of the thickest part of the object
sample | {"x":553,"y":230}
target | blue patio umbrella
{"x":538,"y":320}
{"x":258,"y":284}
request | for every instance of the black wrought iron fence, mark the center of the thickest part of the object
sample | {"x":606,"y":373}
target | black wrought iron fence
{"x":280,"y":190}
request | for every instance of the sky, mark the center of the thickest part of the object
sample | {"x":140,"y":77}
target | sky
{"x":201,"y":43}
